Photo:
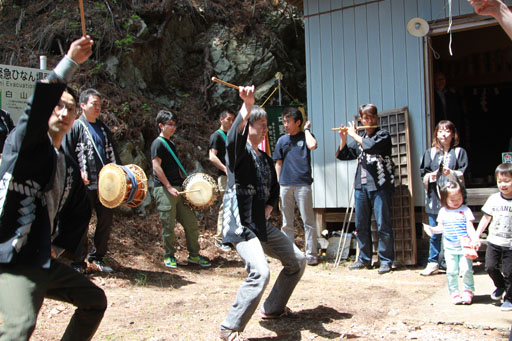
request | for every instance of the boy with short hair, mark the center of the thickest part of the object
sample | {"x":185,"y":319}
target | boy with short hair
{"x":498,"y":212}
{"x":168,"y":180}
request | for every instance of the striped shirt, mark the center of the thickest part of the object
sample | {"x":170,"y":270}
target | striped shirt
{"x":455,"y":224}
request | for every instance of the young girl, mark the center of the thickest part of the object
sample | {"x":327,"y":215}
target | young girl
{"x":455,"y":221}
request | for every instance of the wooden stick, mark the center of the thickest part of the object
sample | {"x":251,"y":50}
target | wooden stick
{"x":191,"y":191}
{"x":215,"y":79}
{"x":358,"y":128}
{"x":82,"y":17}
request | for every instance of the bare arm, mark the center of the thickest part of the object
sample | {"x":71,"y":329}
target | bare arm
{"x":279,"y":166}
{"x":157,"y":167}
{"x":247,"y":95}
{"x":311,"y":142}
{"x":498,"y":10}
{"x":214,"y":159}
{"x":482,"y":225}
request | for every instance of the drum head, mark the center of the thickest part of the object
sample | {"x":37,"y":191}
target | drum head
{"x":112,"y":185}
{"x":200,"y":192}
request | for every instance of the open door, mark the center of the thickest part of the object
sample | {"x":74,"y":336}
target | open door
{"x":476,"y":95}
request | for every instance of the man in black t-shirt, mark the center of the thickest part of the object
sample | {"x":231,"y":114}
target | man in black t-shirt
{"x":167,"y":185}
{"x":217,"y":156}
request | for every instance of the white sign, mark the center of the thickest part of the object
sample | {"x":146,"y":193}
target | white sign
{"x":16,"y":86}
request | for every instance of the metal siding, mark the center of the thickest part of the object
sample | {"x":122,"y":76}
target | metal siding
{"x":399,"y":57}
{"x":328,"y":107}
{"x":362,"y":60}
{"x":315,"y":102}
{"x":416,"y":90}
{"x":342,"y":170}
{"x":374,"y":57}
{"x":386,"y":53}
{"x":364,"y":54}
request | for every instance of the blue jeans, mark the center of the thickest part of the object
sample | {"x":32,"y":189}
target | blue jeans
{"x":249,"y":295}
{"x":380,"y":203}
{"x":435,"y":254}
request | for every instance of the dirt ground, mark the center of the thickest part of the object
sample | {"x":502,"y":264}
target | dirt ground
{"x":148,"y":301}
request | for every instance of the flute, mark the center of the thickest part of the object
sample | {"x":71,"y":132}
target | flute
{"x":358,"y":128}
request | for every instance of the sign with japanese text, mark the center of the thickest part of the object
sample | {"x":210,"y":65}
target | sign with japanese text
{"x":16,"y":86}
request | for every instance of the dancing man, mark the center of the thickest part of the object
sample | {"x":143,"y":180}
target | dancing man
{"x":251,"y":195}
{"x":44,"y":211}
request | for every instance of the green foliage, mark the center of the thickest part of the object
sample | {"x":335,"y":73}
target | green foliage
{"x":134,"y":16}
{"x":125,"y":42}
{"x":99,"y":6}
{"x":75,"y":24}
{"x":146,"y":107}
{"x":97,"y":68}
{"x":125,"y":107}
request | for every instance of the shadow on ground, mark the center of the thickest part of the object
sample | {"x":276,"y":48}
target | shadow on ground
{"x":289,"y":328}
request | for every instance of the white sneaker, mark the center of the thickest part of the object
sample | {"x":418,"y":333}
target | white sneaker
{"x":431,"y":269}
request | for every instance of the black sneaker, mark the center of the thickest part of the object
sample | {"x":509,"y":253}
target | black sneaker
{"x":497,"y":294}
{"x":384,"y":268}
{"x":359,"y":265}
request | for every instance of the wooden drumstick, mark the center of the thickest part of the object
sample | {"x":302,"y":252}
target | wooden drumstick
{"x":358,"y":128}
{"x":192,"y":190}
{"x":82,"y":17}
{"x":215,"y":79}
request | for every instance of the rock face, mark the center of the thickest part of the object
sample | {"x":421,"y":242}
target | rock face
{"x":152,"y":55}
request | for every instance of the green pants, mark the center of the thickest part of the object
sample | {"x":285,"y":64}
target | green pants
{"x":173,"y":209}
{"x":23,"y":289}
{"x":221,"y":182}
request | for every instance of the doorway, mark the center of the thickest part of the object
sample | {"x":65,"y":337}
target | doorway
{"x":477,"y":96}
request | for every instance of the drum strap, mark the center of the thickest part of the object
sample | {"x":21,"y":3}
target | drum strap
{"x":223,"y":134}
{"x":173,"y":155}
{"x":133,"y":180}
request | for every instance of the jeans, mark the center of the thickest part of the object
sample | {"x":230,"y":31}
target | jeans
{"x":493,"y":255}
{"x":24,"y":289}
{"x":173,"y":209}
{"x":249,"y":295}
{"x":455,"y":263}
{"x":435,"y":253}
{"x":301,"y":195}
{"x":221,"y":182}
{"x":380,"y":202}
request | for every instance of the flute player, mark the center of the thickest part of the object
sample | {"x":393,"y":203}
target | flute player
{"x":373,"y":186}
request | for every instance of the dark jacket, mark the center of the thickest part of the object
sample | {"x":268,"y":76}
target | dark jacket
{"x":456,"y":159}
{"x":27,"y":172}
{"x":80,"y":146}
{"x":6,"y":126}
{"x":245,"y":208}
{"x":374,"y":156}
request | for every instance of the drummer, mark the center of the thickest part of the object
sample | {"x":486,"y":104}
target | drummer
{"x":91,"y":144}
{"x":168,"y":174}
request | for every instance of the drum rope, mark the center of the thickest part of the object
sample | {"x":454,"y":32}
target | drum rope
{"x":133,"y":180}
